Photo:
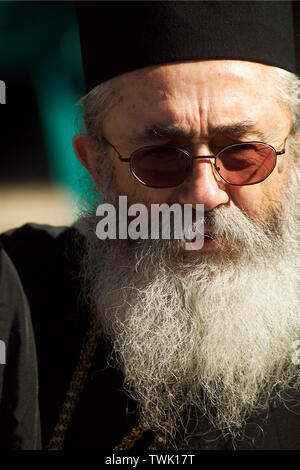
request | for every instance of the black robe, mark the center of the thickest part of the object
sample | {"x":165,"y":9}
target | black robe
{"x":47,"y":262}
{"x":19,"y":409}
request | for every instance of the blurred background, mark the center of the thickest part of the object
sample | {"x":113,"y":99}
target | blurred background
{"x":41,"y":180}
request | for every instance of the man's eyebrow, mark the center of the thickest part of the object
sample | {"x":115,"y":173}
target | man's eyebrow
{"x":236,"y":129}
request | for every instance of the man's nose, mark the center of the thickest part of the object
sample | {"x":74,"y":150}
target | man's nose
{"x":203,"y":185}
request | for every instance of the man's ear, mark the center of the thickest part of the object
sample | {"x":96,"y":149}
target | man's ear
{"x":84,"y":149}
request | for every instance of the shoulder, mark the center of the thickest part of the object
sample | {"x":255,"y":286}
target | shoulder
{"x":32,"y":240}
{"x":44,"y":256}
{"x":48,"y":260}
{"x":13,"y":303}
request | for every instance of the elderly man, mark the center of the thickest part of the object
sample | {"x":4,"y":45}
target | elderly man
{"x":184,"y":349}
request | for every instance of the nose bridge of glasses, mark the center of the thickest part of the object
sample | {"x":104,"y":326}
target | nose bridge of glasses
{"x":208,"y":159}
{"x":205,"y":159}
{"x":201,"y":157}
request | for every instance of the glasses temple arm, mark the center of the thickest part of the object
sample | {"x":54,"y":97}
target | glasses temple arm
{"x":123,"y":159}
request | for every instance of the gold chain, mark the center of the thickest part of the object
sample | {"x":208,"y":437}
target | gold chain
{"x":136,"y":434}
{"x":80,"y":374}
{"x":76,"y":386}
{"x":138,"y":431}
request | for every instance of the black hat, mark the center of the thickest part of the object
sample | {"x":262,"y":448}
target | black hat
{"x":117,"y":37}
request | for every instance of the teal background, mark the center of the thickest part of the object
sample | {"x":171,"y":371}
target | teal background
{"x":39,"y":41}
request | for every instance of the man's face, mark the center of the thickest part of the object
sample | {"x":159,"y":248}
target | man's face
{"x":221,"y":325}
{"x":202,"y":106}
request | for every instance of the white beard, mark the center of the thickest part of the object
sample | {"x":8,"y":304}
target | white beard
{"x":211,"y":332}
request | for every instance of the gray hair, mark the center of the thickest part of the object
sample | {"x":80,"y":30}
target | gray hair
{"x":103,"y":97}
{"x":96,"y":105}
{"x":289,"y":92}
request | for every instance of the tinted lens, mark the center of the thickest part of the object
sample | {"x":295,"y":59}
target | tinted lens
{"x":246,"y":163}
{"x":160,"y":167}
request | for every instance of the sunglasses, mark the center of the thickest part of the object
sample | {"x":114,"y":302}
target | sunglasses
{"x":238,"y":164}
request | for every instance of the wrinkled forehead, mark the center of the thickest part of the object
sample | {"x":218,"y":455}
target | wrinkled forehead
{"x":200,"y":94}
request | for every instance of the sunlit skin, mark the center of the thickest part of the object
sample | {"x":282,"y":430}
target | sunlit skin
{"x":201,"y":101}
